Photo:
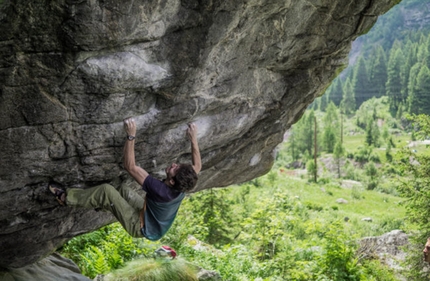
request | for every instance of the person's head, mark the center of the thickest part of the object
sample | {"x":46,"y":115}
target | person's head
{"x":426,"y":251}
{"x":181,"y":177}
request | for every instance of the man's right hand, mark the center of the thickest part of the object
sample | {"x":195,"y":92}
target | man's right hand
{"x":195,"y":152}
{"x":130,"y":126}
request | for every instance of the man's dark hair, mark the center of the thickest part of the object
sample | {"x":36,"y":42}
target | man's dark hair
{"x":185,"y":178}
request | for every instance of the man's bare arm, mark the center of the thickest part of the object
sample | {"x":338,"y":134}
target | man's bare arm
{"x":135,"y":171}
{"x":195,"y":152}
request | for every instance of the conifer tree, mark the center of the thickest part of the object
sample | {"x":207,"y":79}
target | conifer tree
{"x":423,"y":54}
{"x":420,"y":101}
{"x":292,"y":144}
{"x":413,"y":74}
{"x":215,"y":215}
{"x":410,"y":60}
{"x":336,"y":92}
{"x":394,"y":79}
{"x":360,"y":82}
{"x":427,"y":60}
{"x":378,"y":77}
{"x":331,"y":127}
{"x":307,"y":134}
{"x":323,"y":102}
{"x":372,"y":133}
{"x":348,"y":101}
{"x":338,"y":152}
{"x":303,"y":132}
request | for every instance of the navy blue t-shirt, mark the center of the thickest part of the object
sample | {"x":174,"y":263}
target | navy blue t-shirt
{"x":158,"y":191}
{"x":162,"y":204}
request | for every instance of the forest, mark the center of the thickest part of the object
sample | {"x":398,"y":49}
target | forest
{"x":393,"y":61}
{"x":364,"y":141}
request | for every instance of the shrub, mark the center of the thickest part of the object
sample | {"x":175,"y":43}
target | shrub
{"x":374,"y":158}
{"x":104,"y":250}
{"x":338,"y":261}
{"x":314,"y":206}
{"x":155,"y":270}
{"x":356,"y":194}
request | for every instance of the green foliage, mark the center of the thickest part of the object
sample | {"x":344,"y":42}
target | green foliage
{"x":348,"y":102}
{"x":103,"y":250}
{"x":356,"y":194}
{"x":415,"y":187}
{"x":363,"y":154}
{"x":213,"y":211}
{"x":335,"y":92}
{"x":373,"y":175}
{"x":302,"y":137}
{"x":372,"y":133}
{"x":360,"y":82}
{"x":377,"y":272}
{"x":388,"y":63}
{"x":339,"y":151}
{"x":419,"y":99}
{"x":312,"y":170}
{"x":155,"y":270}
{"x":338,"y":261}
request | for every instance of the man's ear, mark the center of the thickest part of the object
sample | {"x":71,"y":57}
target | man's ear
{"x":172,"y":182}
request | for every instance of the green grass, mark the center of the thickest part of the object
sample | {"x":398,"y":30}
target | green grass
{"x":379,"y":206}
{"x":154,"y":270}
{"x":351,"y":142}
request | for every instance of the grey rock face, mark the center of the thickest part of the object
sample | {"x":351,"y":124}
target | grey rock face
{"x":51,"y":268}
{"x":70,"y":71}
{"x":387,"y":247}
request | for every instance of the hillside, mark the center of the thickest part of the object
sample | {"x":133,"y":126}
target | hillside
{"x":392,"y":59}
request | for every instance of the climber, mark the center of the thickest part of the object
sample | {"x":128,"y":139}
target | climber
{"x":150,"y":217}
{"x":426,"y":251}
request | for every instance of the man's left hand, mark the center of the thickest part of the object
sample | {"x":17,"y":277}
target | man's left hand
{"x":192,"y":132}
{"x":130,"y":126}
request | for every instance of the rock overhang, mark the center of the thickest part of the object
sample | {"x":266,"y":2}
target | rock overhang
{"x":243,"y":71}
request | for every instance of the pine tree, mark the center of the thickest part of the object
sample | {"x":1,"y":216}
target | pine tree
{"x":292,"y":145}
{"x":360,"y":82}
{"x":410,"y":60}
{"x":215,"y":215}
{"x":338,"y":152}
{"x":427,"y":60}
{"x":329,"y":139}
{"x":394,"y":79}
{"x":372,"y":133}
{"x":331,"y":127}
{"x":413,"y":74}
{"x":336,"y":93}
{"x":323,"y":102}
{"x":378,"y":77}
{"x":420,"y":101}
{"x":303,"y":132}
{"x":348,"y":101}
{"x":423,"y":55}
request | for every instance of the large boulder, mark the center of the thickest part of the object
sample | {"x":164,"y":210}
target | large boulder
{"x":388,"y":248}
{"x":47,"y":269}
{"x":70,"y":71}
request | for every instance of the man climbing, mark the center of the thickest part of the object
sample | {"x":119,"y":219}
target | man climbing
{"x":426,"y":251}
{"x":150,"y":217}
